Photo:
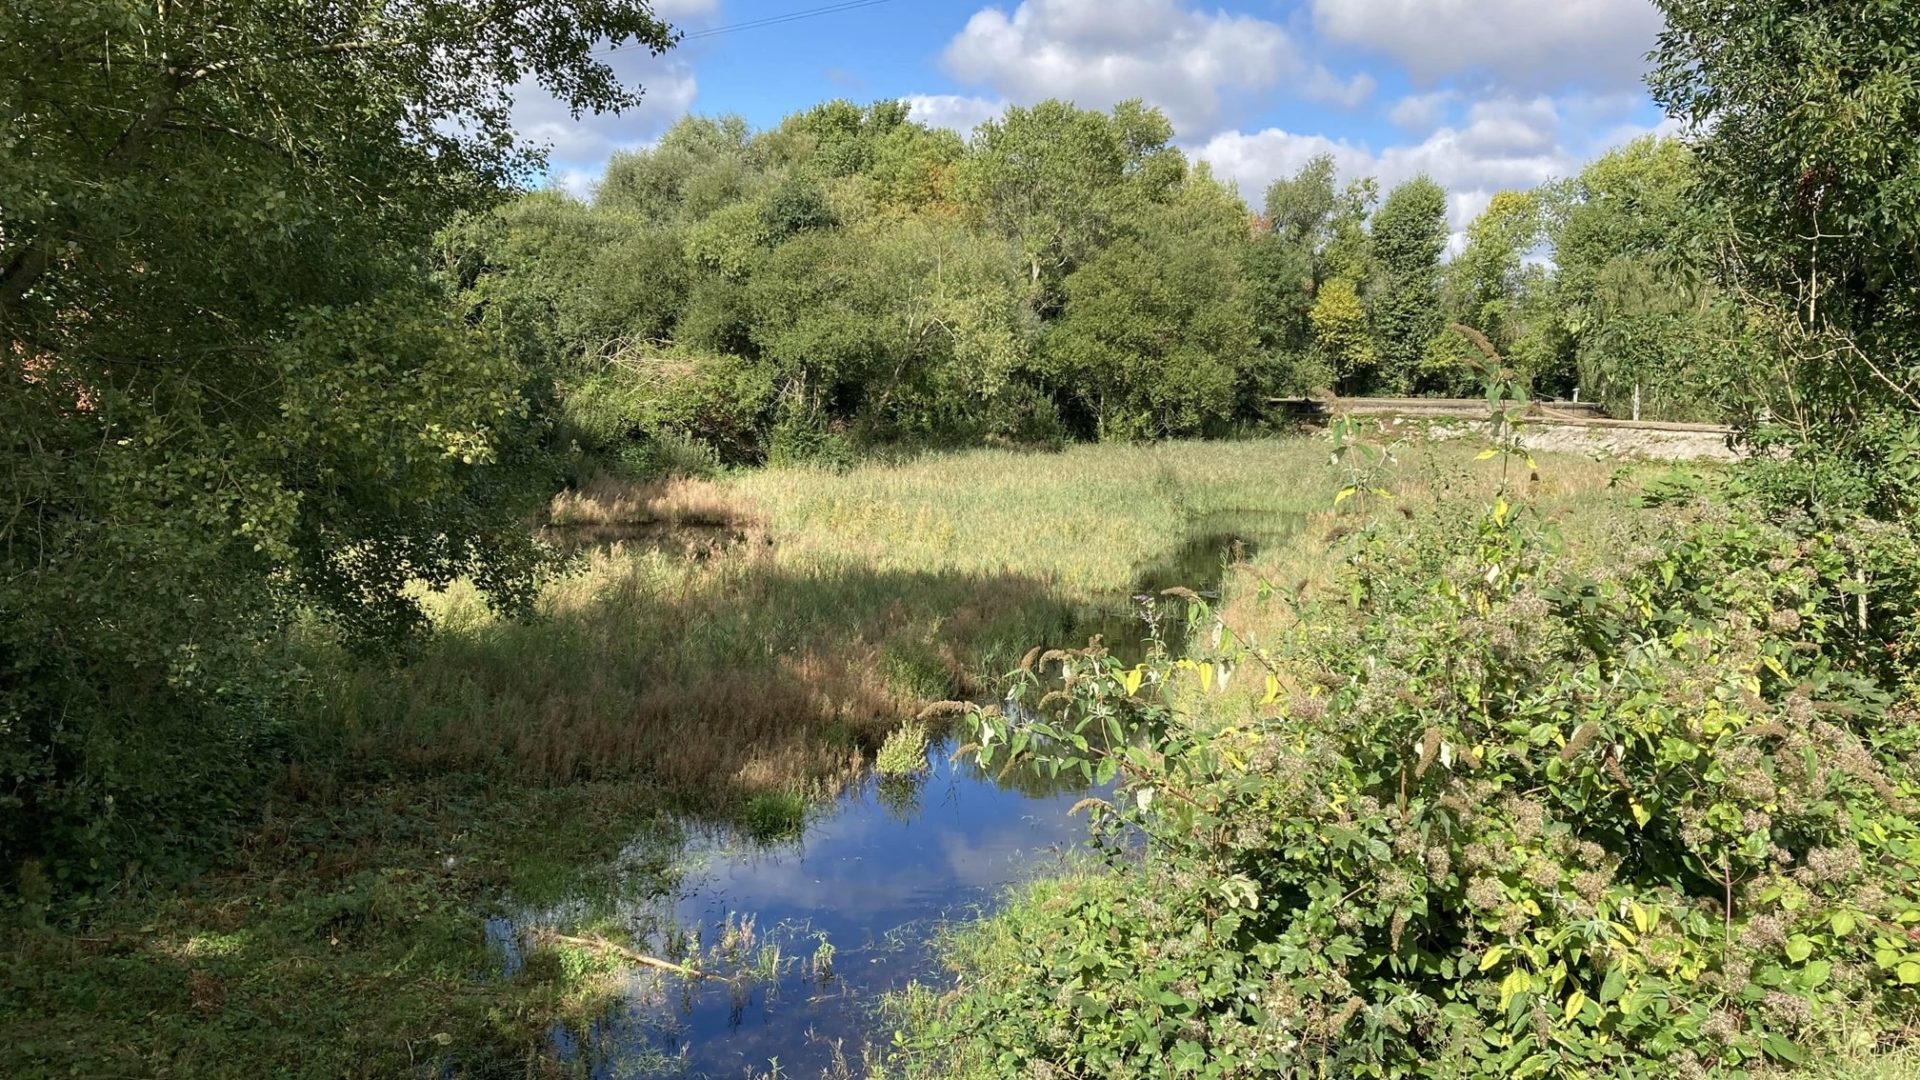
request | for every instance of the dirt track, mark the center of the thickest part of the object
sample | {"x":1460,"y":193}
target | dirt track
{"x":1610,"y":438}
{"x":1562,"y":427}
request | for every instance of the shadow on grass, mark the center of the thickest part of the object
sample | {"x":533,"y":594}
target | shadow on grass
{"x":716,"y":680}
{"x":345,"y":938}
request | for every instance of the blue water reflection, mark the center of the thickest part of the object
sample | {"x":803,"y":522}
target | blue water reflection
{"x":874,"y":877}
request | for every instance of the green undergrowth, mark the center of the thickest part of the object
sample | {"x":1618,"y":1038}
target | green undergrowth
{"x":1509,"y":792}
{"x":347,"y":938}
{"x":543,"y":764}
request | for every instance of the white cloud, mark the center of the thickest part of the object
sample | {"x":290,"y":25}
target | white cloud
{"x":1254,"y":161}
{"x":669,"y":89}
{"x":681,"y":9}
{"x":1195,"y":65}
{"x":960,"y":113}
{"x":1502,"y":143}
{"x":1522,"y":44}
{"x":1421,"y":113}
{"x":1324,"y":86}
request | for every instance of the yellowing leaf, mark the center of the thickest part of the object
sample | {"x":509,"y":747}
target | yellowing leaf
{"x":1131,"y":680}
{"x":1575,"y":1003}
{"x":1343,"y":496}
{"x":1273,"y":691}
{"x":1519,"y":982}
{"x":1492,"y":956}
{"x":1642,"y":918}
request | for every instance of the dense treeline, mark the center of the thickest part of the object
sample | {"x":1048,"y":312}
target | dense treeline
{"x":852,"y":277}
{"x":230,"y":396}
{"x":1509,"y":799}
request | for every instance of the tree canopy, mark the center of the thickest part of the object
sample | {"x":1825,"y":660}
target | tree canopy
{"x":1803,"y":119}
{"x":229,"y":390}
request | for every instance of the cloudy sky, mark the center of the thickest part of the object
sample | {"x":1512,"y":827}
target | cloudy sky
{"x":1479,"y":94}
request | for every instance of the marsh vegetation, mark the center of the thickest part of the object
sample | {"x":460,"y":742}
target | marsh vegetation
{"x":451,"y":629}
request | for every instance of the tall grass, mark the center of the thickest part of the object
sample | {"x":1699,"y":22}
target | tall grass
{"x":831,"y":607}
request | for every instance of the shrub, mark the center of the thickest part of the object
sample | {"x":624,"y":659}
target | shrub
{"x":1498,"y":815}
{"x":904,"y":753}
{"x":646,"y":407}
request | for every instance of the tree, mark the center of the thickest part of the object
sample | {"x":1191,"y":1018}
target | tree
{"x":1283,"y":269}
{"x":228,"y":391}
{"x":562,"y":281}
{"x":1485,"y":282}
{"x":700,"y":165}
{"x":1632,"y":298}
{"x":1158,"y":330}
{"x":1803,"y":118}
{"x":1054,"y":178}
{"x":1342,"y":341}
{"x":909,"y":327}
{"x":1489,"y":287}
{"x":1349,"y":252}
{"x":1409,"y":236}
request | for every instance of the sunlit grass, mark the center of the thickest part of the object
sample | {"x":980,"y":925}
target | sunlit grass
{"x":746,"y":646}
{"x":763,"y":633}
{"x":794,"y":617}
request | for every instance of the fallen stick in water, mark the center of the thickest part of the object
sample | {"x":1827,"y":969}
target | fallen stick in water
{"x":630,"y":956}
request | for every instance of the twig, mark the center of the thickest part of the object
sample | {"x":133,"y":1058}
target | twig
{"x":630,"y":956}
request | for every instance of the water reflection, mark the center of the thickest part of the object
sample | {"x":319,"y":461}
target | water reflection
{"x":812,"y":933}
{"x":809,"y":935}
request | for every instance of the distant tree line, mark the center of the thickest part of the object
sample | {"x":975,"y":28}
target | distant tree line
{"x":852,"y":277}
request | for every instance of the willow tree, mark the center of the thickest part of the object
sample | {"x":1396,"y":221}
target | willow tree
{"x":1804,"y":117}
{"x":228,"y":390}
{"x":1409,"y":237}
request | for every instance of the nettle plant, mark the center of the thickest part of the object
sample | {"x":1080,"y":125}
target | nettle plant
{"x":1493,"y":815}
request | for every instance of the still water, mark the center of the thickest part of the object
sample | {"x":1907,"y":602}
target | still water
{"x":871,"y":877}
{"x":806,"y":937}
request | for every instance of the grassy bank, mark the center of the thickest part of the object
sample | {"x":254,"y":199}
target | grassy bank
{"x":1596,"y":776}
{"x":728,"y":639}
{"x":727,"y":647}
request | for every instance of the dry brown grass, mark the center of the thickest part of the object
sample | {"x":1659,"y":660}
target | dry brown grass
{"x":783,"y":662}
{"x":715,"y":679}
{"x":677,"y":501}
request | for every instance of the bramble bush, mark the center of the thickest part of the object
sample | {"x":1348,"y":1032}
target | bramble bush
{"x":1497,"y":814}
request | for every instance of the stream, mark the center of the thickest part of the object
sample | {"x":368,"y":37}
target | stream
{"x":808,"y":935}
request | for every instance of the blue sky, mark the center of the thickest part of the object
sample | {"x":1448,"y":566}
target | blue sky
{"x":1480,"y":94}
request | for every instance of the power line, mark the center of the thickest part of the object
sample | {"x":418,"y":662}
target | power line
{"x":770,"y":20}
{"x":795,"y":16}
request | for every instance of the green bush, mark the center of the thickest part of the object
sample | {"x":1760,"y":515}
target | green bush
{"x":1500,"y":815}
{"x":905,"y":751}
{"x":647,"y":406}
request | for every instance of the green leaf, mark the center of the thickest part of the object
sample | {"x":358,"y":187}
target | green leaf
{"x":1777,"y":1046}
{"x":1614,"y":985}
